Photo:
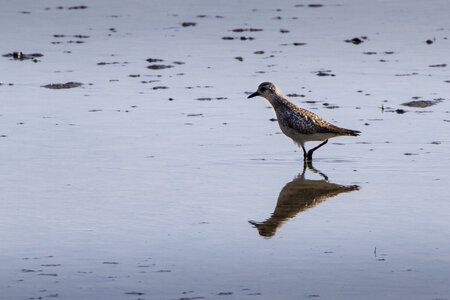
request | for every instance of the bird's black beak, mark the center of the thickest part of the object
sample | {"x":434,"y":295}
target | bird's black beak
{"x":253,"y":95}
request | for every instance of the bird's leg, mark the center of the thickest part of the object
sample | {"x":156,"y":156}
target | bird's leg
{"x":310,"y":152}
{"x":304,"y":152}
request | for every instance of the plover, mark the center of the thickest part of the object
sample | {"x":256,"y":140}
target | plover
{"x":300,"y":124}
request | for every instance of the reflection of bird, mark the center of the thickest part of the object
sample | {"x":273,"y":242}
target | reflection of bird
{"x":297,"y":196}
{"x":297,"y":123}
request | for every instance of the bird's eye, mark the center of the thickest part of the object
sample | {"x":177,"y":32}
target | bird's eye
{"x":263,"y":89}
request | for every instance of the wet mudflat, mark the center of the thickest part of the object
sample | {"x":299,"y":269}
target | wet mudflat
{"x":134,"y":167}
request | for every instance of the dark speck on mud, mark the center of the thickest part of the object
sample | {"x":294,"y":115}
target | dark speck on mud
{"x":421,"y":103}
{"x":357,"y":40}
{"x":159,"y":67}
{"x":152,"y":60}
{"x":59,"y":86}
{"x":22,"y":56}
{"x":188,"y":24}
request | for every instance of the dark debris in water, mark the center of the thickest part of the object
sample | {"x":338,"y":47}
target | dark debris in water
{"x":188,"y":24}
{"x":27,"y":271}
{"x":78,"y":7}
{"x":134,"y":293}
{"x":239,"y":58}
{"x":153,"y":60}
{"x":246,"y":29}
{"x":422,"y":103}
{"x":438,"y":66}
{"x":22,"y":56}
{"x":329,"y":106}
{"x":357,"y":40}
{"x":159,"y":67}
{"x":59,"y":86}
{"x":299,"y":44}
{"x":225,"y":293}
{"x":407,"y":74}
{"x":324,"y":73}
{"x":242,"y":38}
{"x":295,"y":95}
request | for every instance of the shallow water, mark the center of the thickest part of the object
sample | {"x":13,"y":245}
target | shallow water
{"x":140,"y":183}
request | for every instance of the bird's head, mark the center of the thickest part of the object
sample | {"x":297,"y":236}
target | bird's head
{"x":266,"y":90}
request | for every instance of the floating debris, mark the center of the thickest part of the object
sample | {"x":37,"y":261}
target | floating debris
{"x":246,"y":29}
{"x":414,"y":73}
{"x":299,"y":44}
{"x":152,"y":60}
{"x":22,"y":56}
{"x":324,"y":73}
{"x":329,"y":106}
{"x":258,"y":52}
{"x":422,"y":103}
{"x":59,"y":86}
{"x":315,"y":5}
{"x":134,"y":293}
{"x":239,"y":58}
{"x":438,"y":66}
{"x":188,"y":24}
{"x":78,"y":7}
{"x":357,"y":40}
{"x":159,"y":67}
{"x":103,"y":63}
{"x":284,"y":30}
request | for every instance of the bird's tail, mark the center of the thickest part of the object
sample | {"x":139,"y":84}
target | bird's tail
{"x":343,"y":131}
